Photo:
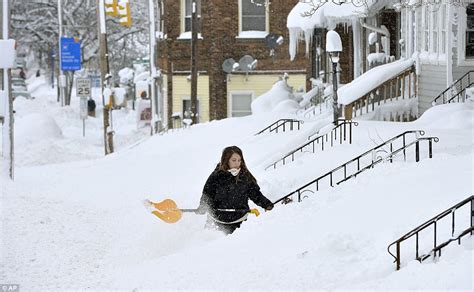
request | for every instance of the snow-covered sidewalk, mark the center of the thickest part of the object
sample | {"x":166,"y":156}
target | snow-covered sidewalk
{"x":80,"y":223}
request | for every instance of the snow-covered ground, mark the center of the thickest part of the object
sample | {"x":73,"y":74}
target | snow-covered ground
{"x":74,"y":219}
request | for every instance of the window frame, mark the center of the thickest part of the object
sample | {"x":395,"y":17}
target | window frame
{"x":231,"y":99}
{"x":471,"y":58}
{"x":242,"y":33}
{"x":426,"y":29}
{"x":462,"y":35}
{"x":184,"y":16}
{"x":443,"y":35}
{"x":188,"y":99}
{"x":434,"y":31}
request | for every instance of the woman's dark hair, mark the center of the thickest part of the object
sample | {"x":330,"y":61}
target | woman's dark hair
{"x":224,"y":164}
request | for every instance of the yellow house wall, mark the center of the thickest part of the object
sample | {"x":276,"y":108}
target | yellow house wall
{"x":182,"y":90}
{"x":258,"y":85}
{"x":255,"y":84}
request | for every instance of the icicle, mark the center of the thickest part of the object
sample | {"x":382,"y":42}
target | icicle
{"x":293,"y":44}
{"x":308,"y":35}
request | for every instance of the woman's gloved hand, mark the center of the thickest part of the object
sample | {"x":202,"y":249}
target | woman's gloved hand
{"x":269,"y":207}
{"x":200,"y":210}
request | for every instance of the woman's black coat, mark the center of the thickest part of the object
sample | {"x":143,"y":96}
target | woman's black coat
{"x":225,"y":191}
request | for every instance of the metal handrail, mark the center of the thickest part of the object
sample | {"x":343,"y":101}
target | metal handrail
{"x":433,"y":221}
{"x":281,"y":123}
{"x":460,"y":80}
{"x":325,"y":100}
{"x":375,"y":160}
{"x":460,"y":93}
{"x":333,"y":133}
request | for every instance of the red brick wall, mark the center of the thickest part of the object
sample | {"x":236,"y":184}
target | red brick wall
{"x":220,"y":26}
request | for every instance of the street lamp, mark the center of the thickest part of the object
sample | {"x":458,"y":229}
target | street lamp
{"x":334,"y":48}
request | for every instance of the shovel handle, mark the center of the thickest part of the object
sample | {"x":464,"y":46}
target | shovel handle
{"x":189,"y":210}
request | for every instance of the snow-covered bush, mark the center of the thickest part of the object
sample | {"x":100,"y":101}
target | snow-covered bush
{"x":279,"y":98}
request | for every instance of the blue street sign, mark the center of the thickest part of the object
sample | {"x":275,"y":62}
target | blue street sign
{"x":70,"y":54}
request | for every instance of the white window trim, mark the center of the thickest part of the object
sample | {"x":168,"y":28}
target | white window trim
{"x":443,"y":28}
{"x":461,"y":45}
{"x":425,"y":26}
{"x":183,"y":15}
{"x":183,"y":98}
{"x":253,"y":34}
{"x":185,"y":34}
{"x":231,"y":96}
{"x":433,"y":49}
{"x":407,"y":32}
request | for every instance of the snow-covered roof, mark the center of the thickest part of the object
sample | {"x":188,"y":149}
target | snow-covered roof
{"x":326,"y":16}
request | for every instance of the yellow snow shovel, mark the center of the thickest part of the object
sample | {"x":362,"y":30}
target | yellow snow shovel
{"x":168,"y":211}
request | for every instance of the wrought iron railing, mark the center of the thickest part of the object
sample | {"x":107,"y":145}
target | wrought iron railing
{"x":456,"y":91}
{"x":374,"y":159}
{"x":343,"y":130}
{"x":434,"y":222}
{"x":402,"y":86}
{"x":282,"y":124}
{"x":324,"y":104}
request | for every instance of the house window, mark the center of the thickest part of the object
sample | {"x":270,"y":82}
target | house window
{"x":188,"y":11}
{"x":434,"y":31}
{"x":426,"y":29}
{"x":444,"y":24}
{"x":240,"y":105}
{"x":470,"y":32}
{"x":252,"y":17}
{"x":187,"y":109}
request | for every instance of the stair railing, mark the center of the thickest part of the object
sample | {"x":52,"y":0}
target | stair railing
{"x":344,"y":127}
{"x":455,"y":90}
{"x":390,"y":90}
{"x":375,"y":158}
{"x":434,"y":222}
{"x":282,"y":123}
{"x":326,"y":103}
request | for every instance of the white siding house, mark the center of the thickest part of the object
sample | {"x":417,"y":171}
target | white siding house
{"x":440,"y":35}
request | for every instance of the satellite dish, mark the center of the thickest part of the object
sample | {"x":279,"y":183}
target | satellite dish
{"x":245,"y":63}
{"x":271,"y":40}
{"x":229,"y":65}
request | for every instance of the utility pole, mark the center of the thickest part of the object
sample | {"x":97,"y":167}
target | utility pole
{"x":105,"y":78}
{"x":61,"y":76}
{"x":160,"y":107}
{"x":194,"y":75}
{"x":7,"y":129}
{"x":155,"y":119}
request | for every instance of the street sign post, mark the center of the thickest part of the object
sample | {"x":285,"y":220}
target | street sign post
{"x":70,"y":54}
{"x":83,"y":87}
{"x":83,"y":90}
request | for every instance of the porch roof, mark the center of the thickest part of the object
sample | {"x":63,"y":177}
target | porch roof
{"x":326,"y":16}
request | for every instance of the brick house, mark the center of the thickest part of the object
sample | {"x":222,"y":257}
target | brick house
{"x":347,"y":20}
{"x":228,"y":29}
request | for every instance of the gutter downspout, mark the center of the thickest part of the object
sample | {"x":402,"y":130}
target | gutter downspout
{"x":382,"y":30}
